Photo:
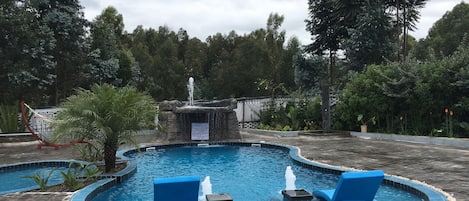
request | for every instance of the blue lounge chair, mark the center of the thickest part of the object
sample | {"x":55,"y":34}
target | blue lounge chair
{"x":354,"y":186}
{"x":184,"y":188}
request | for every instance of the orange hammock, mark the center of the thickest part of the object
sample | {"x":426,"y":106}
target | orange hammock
{"x":39,"y":129}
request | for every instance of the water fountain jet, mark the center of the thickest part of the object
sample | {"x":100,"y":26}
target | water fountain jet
{"x":199,"y":120}
{"x":190,"y":89}
{"x":206,"y":186}
{"x":290,"y":179}
{"x":291,"y":193}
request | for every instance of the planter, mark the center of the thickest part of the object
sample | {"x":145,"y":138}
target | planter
{"x":364,"y":128}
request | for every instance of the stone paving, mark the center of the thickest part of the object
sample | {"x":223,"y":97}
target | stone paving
{"x":446,"y":168}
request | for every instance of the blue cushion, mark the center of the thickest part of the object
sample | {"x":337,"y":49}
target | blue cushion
{"x":185,"y":188}
{"x":354,"y":186}
{"x":324,"y":194}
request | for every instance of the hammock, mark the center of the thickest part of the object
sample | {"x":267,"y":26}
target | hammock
{"x":41,"y":130}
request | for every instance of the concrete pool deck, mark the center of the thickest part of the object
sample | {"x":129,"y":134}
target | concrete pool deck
{"x":444,"y":167}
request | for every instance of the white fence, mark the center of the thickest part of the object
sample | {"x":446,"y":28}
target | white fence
{"x":248,"y":110}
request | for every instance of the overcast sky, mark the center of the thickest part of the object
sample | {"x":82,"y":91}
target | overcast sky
{"x":202,"y":18}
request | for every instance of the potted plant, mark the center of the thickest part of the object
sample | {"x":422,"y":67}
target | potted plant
{"x":364,"y":122}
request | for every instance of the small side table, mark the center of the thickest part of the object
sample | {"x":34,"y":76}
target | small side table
{"x":218,"y":197}
{"x":297,"y":195}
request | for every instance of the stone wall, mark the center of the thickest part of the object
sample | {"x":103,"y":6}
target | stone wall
{"x":177,"y":119}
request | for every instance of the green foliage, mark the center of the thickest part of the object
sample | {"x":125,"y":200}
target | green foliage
{"x":308,"y":71}
{"x":370,"y":40}
{"x":303,"y":114}
{"x":9,"y":119}
{"x":70,"y":179}
{"x":51,"y":50}
{"x":41,"y":179}
{"x":326,"y":26}
{"x":448,"y":32}
{"x":106,"y":31}
{"x":91,"y":152}
{"x":361,"y":96}
{"x":26,"y":44}
{"x":91,"y":172}
{"x":410,"y":98}
{"x":106,"y":115}
{"x":79,"y":173}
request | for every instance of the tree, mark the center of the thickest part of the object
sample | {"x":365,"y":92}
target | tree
{"x":68,"y":25}
{"x":286,"y":71}
{"x":407,"y":16}
{"x":308,"y":71}
{"x":195,"y":58}
{"x":107,"y":115}
{"x":370,"y":40}
{"x":274,"y":40}
{"x":26,"y":44}
{"x":156,"y":52}
{"x":458,"y":72}
{"x":447,"y":33}
{"x":105,"y":31}
{"x":410,"y":17}
{"x":108,"y":36}
{"x":328,"y":29}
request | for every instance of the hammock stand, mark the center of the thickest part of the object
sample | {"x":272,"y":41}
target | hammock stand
{"x":44,"y":142}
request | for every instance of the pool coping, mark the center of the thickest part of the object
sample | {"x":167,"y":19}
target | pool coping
{"x":424,"y":191}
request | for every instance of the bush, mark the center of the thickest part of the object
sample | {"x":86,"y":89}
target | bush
{"x":10,"y":120}
{"x":302,"y":114}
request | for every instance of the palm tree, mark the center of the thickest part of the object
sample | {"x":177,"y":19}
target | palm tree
{"x":407,"y":16}
{"x":106,"y":115}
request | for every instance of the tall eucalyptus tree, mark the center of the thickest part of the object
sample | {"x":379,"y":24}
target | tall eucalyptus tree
{"x":328,"y":31}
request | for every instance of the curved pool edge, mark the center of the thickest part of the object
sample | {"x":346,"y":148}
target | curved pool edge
{"x":40,"y":163}
{"x":425,"y":191}
{"x":105,"y":182}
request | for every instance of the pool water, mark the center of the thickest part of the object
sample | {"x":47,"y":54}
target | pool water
{"x":13,"y":181}
{"x":246,"y":173}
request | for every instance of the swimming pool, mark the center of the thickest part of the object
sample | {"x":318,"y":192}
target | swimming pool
{"x":12,"y":175}
{"x":245,"y":172}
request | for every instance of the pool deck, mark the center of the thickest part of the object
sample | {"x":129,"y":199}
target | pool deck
{"x":444,"y":167}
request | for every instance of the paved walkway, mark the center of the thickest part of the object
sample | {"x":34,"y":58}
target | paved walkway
{"x":446,"y":168}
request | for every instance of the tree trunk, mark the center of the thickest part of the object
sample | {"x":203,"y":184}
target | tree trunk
{"x":325,"y":94}
{"x":109,"y":156}
{"x":398,"y":33}
{"x":326,"y":120}
{"x":404,"y":27}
